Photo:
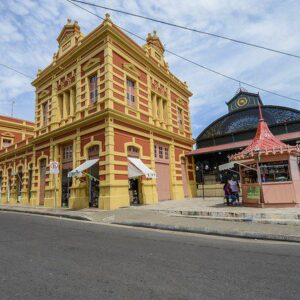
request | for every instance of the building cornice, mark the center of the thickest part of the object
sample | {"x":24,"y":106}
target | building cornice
{"x":107,"y":113}
{"x":14,"y":125}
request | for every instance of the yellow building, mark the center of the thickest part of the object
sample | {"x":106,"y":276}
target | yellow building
{"x":13,"y":130}
{"x":113,"y":110}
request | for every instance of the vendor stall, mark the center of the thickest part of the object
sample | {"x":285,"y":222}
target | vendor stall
{"x":270,"y":174}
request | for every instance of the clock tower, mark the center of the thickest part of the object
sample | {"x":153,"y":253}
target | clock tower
{"x":243,"y":99}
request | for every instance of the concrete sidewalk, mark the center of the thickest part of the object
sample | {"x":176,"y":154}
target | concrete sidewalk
{"x":214,"y":208}
{"x":166,"y":221}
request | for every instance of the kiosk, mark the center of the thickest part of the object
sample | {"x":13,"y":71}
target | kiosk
{"x":269,"y":170}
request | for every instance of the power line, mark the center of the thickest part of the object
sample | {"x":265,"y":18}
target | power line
{"x":19,"y":72}
{"x":190,"y":29}
{"x":195,"y":63}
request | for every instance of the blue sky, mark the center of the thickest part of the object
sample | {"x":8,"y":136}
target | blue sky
{"x":29,"y":30}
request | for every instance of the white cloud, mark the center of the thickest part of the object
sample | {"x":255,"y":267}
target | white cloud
{"x":30,"y":28}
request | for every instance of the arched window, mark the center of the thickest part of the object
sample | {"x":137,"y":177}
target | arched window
{"x":30,"y":175}
{"x":133,"y":151}
{"x":93,"y":152}
{"x":19,"y":180}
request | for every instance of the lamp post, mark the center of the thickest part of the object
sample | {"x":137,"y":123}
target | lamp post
{"x":203,"y":167}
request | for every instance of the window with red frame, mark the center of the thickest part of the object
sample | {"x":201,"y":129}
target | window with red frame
{"x":130,"y":92}
{"x":93,"y":89}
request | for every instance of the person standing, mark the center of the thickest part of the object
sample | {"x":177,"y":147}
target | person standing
{"x":227,"y":193}
{"x":235,"y":188}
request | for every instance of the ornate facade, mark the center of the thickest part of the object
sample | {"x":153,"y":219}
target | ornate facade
{"x":103,"y":97}
{"x":13,"y":130}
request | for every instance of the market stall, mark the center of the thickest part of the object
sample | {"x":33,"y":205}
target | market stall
{"x":270,"y":174}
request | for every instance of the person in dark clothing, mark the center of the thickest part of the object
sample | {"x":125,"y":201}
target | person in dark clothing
{"x":227,"y":193}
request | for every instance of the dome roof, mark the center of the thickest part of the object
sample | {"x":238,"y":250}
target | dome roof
{"x":247,"y":119}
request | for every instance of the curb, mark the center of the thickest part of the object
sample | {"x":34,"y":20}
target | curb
{"x":233,"y":214}
{"x":249,"y":220}
{"x":217,"y":232}
{"x":59,"y":215}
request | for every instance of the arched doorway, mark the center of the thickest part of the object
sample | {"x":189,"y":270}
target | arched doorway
{"x":94,"y":186}
{"x":9,"y":184}
{"x":134,"y":183}
{"x":42,"y":180}
{"x":19,"y":184}
{"x":30,"y":176}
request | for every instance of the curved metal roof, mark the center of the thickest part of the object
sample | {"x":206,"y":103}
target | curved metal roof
{"x":247,"y":119}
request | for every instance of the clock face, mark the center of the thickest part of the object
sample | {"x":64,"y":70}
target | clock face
{"x":242,"y":102}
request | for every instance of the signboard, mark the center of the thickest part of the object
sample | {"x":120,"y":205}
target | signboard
{"x":54,"y":167}
{"x":253,"y":192}
{"x":227,"y":166}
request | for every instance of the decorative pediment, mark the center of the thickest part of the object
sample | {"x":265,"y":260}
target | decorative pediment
{"x":91,"y":63}
{"x":179,"y":102}
{"x":68,"y":38}
{"x":44,"y":93}
{"x":8,"y":134}
{"x":132,"y":69}
{"x":154,"y":40}
{"x":68,"y":31}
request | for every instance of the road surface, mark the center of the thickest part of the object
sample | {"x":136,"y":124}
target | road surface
{"x":49,"y":258}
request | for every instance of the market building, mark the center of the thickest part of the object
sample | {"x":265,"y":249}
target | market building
{"x":269,"y":171}
{"x":233,"y":132}
{"x":115,"y":119}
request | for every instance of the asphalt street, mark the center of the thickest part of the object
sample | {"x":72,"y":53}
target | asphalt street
{"x":51,"y":258}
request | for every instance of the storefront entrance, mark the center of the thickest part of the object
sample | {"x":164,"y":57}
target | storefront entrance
{"x":94,"y":186}
{"x":162,"y":167}
{"x":66,"y":182}
{"x":134,"y":191}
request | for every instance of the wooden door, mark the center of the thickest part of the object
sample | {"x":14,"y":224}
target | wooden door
{"x":184,"y":178}
{"x":42,"y":181}
{"x":163,"y":181}
{"x":162,"y":167}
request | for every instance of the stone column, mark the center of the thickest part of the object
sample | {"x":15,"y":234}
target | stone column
{"x":25,"y":191}
{"x":55,"y":113}
{"x":72,"y":108}
{"x":113,"y":191}
{"x":78,"y":195}
{"x":176,"y":189}
{"x":108,"y":65}
{"x":161,"y":110}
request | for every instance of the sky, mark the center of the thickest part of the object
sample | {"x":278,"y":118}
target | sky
{"x":29,"y":29}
